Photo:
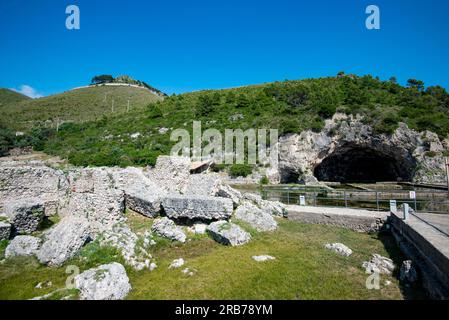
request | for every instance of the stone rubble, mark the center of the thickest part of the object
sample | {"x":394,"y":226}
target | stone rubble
{"x":228,"y":233}
{"x":5,"y":230}
{"x":197,"y":207}
{"x":339,"y":248}
{"x":167,"y":228}
{"x":379,"y":264}
{"x":23,"y":246}
{"x":107,"y":282}
{"x":63,"y":241}
{"x":255,"y":217}
{"x":198,"y":228}
{"x":263,"y":258}
{"x":25,"y":215}
{"x":177,"y":263}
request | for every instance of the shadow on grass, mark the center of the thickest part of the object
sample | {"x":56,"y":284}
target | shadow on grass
{"x":410,"y":292}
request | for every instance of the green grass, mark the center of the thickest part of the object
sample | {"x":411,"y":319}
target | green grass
{"x":8,"y":96}
{"x":303,"y":269}
{"x":86,"y":104}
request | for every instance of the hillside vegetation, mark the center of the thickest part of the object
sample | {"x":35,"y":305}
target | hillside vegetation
{"x":133,"y":138}
{"x":80,"y":105}
{"x":8,"y":96}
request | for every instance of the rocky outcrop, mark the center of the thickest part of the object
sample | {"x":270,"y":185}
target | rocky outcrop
{"x":339,"y":248}
{"x":107,"y":282}
{"x":197,"y":207}
{"x":167,"y":228}
{"x":25,"y":215}
{"x":255,"y":217}
{"x":408,"y":273}
{"x":5,"y":230}
{"x":228,"y":233}
{"x":346,"y":144}
{"x":23,"y":246}
{"x":63,"y":241}
{"x":379,"y":264}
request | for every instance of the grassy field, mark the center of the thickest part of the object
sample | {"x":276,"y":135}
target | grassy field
{"x":86,"y":104}
{"x":303,"y":269}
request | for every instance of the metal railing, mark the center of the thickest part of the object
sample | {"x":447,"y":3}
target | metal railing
{"x":420,"y":201}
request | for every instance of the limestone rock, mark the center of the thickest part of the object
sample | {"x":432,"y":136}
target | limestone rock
{"x":177,"y":263}
{"x":167,"y":228}
{"x":271,"y":207}
{"x":202,"y":185}
{"x":228,"y":233}
{"x":198,"y":228}
{"x":5,"y":230}
{"x":197,"y":207}
{"x":379,"y":264}
{"x":63,"y":241}
{"x":263,"y":258}
{"x":339,"y":248}
{"x":23,"y":246}
{"x":107,"y":282}
{"x":25,"y":215}
{"x":171,"y":173}
{"x":408,"y":272}
{"x":226,"y":191}
{"x":255,"y":217}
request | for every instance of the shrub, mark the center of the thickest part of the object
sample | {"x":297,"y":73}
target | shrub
{"x":264,"y":180}
{"x":240,"y":170}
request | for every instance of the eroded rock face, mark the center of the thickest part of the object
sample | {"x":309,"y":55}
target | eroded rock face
{"x":23,"y":246}
{"x":5,"y":230}
{"x":167,"y":228}
{"x":107,"y":282}
{"x":197,"y":207}
{"x":228,"y":233}
{"x":63,"y":241}
{"x":255,"y":217}
{"x":339,"y":248}
{"x":24,"y":215}
{"x":346,"y":148}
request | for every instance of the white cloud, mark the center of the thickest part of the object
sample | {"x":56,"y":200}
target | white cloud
{"x":28,"y":91}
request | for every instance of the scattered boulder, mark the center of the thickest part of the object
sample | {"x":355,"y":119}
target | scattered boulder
{"x":197,"y":207}
{"x":263,"y":258}
{"x":189,"y":272}
{"x":107,"y":282}
{"x":25,"y":215}
{"x":255,"y":217}
{"x":408,"y":273}
{"x":379,"y":264}
{"x":167,"y":228}
{"x":5,"y":230}
{"x":339,"y":248}
{"x":23,"y":246}
{"x":228,"y":233}
{"x":177,"y":263}
{"x":271,"y":207}
{"x":225,"y":191}
{"x":63,"y":241}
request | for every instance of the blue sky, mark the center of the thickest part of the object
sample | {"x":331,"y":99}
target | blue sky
{"x":180,"y":46}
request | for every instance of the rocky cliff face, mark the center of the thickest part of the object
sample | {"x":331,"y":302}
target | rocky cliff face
{"x":348,"y":150}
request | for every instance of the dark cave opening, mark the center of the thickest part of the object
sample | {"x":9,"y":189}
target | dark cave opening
{"x":364,"y":165}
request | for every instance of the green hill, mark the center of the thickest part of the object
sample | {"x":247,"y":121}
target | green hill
{"x":79,"y":105}
{"x":290,"y":106}
{"x":8,"y":96}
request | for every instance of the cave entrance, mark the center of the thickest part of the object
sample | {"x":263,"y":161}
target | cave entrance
{"x":364,"y":165}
